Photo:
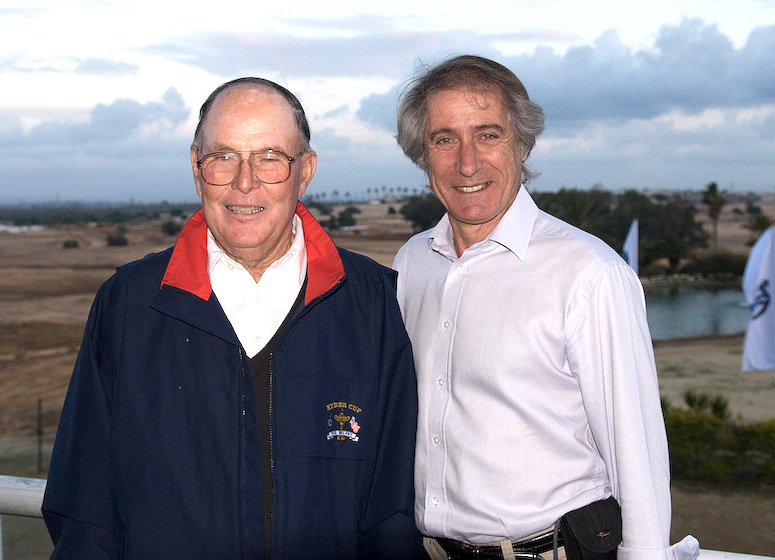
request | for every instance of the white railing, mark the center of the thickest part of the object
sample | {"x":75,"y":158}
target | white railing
{"x":23,"y":496}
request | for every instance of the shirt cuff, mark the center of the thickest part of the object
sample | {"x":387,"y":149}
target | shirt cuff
{"x":687,"y":549}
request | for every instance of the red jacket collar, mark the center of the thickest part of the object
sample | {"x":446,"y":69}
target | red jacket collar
{"x":187,"y":268}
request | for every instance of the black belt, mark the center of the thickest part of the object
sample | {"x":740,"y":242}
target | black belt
{"x":528,"y":548}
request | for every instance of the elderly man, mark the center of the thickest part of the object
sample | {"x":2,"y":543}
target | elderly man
{"x":536,"y":379}
{"x":250,"y":392}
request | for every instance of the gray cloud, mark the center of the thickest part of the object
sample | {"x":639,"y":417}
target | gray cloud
{"x":125,"y":149}
{"x":691,"y":68}
{"x":602,"y":103}
{"x":108,"y":125}
{"x":104,"y":67}
{"x":19,"y":62}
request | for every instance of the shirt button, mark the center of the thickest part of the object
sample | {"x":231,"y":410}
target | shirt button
{"x":441,"y":382}
{"x":258,"y":297}
{"x":459,"y":270}
{"x":447,"y":324}
{"x":437,"y":440}
{"x":435,"y":500}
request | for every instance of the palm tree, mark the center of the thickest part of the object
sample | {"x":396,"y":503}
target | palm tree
{"x":715,"y":201}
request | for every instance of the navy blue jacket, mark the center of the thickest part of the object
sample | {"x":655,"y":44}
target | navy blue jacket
{"x":157,"y":453}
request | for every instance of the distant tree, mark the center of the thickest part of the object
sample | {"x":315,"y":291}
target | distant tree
{"x":672,"y":246}
{"x":346,"y":219}
{"x":423,"y":211}
{"x":586,"y":209}
{"x":715,"y":202}
{"x":757,"y":224}
{"x":322,"y":207}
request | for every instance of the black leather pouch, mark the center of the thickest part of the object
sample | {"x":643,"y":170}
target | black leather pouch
{"x":593,"y":532}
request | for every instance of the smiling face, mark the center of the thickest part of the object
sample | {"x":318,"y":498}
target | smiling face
{"x":474,"y":166}
{"x":252,"y":221}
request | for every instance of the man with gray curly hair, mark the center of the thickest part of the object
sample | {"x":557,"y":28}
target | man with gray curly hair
{"x":540,"y":431}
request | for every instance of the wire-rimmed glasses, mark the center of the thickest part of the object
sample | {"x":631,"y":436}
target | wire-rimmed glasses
{"x":268,"y":166}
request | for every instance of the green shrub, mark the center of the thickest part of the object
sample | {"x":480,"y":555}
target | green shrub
{"x":721,"y":263}
{"x":117,"y":238}
{"x":171,"y":227}
{"x":706,"y":447}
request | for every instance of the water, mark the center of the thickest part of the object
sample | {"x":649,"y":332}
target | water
{"x":691,"y":312}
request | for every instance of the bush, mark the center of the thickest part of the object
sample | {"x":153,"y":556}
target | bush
{"x":721,"y":263}
{"x":117,"y":238}
{"x":70,"y":244}
{"x":706,"y":447}
{"x":171,"y":227}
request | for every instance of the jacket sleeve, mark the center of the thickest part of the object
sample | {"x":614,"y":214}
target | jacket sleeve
{"x":388,"y":529}
{"x":77,"y":505}
{"x":611,"y":354}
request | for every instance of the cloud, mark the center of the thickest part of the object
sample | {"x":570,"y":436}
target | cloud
{"x":104,"y":67}
{"x":689,"y":109}
{"x":21,"y":63}
{"x":108,"y":125}
{"x":125,"y":149}
{"x":692,"y":67}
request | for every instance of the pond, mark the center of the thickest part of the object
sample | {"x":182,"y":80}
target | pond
{"x":684,"y":312}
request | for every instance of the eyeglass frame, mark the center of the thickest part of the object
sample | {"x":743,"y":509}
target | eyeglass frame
{"x":291,"y":159}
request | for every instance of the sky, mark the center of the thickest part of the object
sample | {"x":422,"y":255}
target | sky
{"x":99,"y":99}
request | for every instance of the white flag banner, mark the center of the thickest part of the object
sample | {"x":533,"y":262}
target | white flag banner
{"x":630,"y":248}
{"x":759,"y":345}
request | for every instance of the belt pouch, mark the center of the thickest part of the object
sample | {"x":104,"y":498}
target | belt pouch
{"x":593,"y":532}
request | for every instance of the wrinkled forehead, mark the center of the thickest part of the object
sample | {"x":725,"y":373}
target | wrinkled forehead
{"x":248,"y":112}
{"x":448,"y":105}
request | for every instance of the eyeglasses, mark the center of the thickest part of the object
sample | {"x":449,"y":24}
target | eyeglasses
{"x":270,"y":167}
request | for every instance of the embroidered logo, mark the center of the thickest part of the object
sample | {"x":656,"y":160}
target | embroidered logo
{"x":342,"y":424}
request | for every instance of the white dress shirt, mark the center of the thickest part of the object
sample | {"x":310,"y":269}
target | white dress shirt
{"x":537,"y":386}
{"x":257,"y":309}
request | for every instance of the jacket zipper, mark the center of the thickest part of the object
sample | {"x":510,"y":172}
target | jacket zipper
{"x":243,"y":414}
{"x":271,"y":452}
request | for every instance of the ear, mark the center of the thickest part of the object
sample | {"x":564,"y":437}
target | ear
{"x":195,"y":170}
{"x":309,"y":164}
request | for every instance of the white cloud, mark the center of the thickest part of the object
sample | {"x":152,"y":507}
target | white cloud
{"x":107,"y":109}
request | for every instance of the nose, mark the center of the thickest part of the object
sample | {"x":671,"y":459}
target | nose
{"x":467,"y":159}
{"x":245,"y":181}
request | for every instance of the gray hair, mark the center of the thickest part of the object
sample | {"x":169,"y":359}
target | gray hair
{"x":472,"y":73}
{"x":298,"y":110}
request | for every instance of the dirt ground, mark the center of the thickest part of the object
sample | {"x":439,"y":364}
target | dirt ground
{"x":46,"y":292}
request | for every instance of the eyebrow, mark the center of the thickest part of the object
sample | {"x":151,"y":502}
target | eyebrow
{"x":218,"y":147}
{"x":479,"y":128}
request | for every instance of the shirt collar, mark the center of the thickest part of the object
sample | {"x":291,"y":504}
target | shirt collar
{"x":295,"y":257}
{"x":512,"y":232}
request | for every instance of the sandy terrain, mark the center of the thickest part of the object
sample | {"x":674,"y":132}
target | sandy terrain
{"x":46,"y":292}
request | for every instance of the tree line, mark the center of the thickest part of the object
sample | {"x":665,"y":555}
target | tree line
{"x":669,"y":227}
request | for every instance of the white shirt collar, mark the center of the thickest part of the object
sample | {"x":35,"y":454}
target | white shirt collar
{"x":257,"y":309}
{"x":513,"y":230}
{"x":295,"y":258}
